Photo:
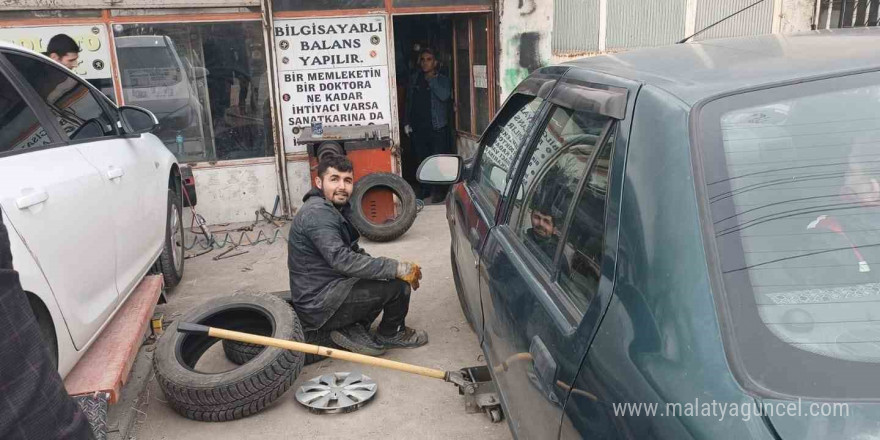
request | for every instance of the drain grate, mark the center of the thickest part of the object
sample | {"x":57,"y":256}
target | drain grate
{"x":337,"y":392}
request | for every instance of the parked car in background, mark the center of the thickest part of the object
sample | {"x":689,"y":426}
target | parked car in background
{"x":92,"y":200}
{"x":156,"y":77}
{"x":693,"y":225}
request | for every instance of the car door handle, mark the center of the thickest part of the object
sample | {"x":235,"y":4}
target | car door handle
{"x":35,"y":197}
{"x":115,"y":173}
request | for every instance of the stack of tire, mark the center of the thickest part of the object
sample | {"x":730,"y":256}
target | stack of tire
{"x":263,"y":373}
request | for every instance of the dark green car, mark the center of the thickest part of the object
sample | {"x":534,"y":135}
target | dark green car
{"x":681,"y":242}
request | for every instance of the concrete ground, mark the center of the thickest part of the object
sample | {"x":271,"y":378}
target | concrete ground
{"x":406,"y":406}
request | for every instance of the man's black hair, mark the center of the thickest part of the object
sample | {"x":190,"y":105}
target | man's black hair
{"x":337,"y":161}
{"x":62,"y":45}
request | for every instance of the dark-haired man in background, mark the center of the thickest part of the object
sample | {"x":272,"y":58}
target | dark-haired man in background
{"x":335,"y":285}
{"x":64,"y":50}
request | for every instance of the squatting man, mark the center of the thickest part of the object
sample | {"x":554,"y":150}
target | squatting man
{"x":335,"y":285}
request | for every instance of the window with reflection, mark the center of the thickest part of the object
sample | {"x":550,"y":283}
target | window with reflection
{"x":207,"y":84}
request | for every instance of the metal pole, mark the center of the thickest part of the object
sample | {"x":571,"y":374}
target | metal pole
{"x":276,"y":120}
{"x":828,"y":14}
{"x":855,"y":13}
{"x":816,"y":14}
{"x":876,"y":19}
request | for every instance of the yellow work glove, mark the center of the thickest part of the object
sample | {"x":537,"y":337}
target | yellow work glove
{"x":409,"y":272}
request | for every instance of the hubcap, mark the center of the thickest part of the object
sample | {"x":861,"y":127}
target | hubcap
{"x":176,"y":239}
{"x":337,"y":392}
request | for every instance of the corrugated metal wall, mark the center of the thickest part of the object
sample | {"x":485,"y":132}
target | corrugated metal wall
{"x":643,"y":23}
{"x":575,"y":26}
{"x":756,"y":21}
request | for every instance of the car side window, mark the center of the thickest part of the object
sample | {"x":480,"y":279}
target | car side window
{"x":19,"y":127}
{"x":501,"y":142}
{"x":78,"y":112}
{"x":584,"y":242}
{"x":555,"y":168}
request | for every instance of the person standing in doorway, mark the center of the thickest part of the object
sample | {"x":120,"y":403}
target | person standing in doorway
{"x":64,"y":50}
{"x":426,"y":115}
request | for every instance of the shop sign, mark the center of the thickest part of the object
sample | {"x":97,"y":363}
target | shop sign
{"x":332,"y":71}
{"x":94,"y":56}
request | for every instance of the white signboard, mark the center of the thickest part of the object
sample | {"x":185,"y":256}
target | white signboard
{"x":333,"y":71}
{"x":94,"y":56}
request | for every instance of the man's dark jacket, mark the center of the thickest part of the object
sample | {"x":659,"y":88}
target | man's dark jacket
{"x":324,"y":260}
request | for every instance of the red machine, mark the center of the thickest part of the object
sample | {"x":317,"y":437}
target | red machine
{"x":369,"y":149}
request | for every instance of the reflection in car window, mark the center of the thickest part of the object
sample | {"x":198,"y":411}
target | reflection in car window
{"x":795,"y":203}
{"x":585,"y":236}
{"x":19,"y":127}
{"x":555,"y":168}
{"x":501,"y":143}
{"x":70,"y":101}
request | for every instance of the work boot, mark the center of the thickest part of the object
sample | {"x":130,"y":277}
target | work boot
{"x":406,"y":338}
{"x":356,"y":339}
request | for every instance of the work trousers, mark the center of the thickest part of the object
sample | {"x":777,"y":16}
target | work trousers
{"x":369,"y":298}
{"x":427,"y":142}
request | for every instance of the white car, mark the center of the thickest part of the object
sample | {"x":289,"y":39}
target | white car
{"x":91,"y":199}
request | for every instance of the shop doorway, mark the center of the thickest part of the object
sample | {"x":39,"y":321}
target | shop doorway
{"x":412,"y":35}
{"x":461,"y":45}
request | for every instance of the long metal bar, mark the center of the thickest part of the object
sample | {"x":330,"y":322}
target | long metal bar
{"x":187,"y":18}
{"x":454,"y":78}
{"x":327,"y":13}
{"x":816,"y":14}
{"x":490,"y":68}
{"x":410,"y":10}
{"x":277,"y":122}
{"x":114,"y":61}
{"x":876,"y":20}
{"x":321,"y":351}
{"x":855,"y":13}
{"x":828,"y":14}
{"x":470,"y":21}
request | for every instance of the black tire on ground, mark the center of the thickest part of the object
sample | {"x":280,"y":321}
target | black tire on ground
{"x":395,"y":228}
{"x":241,"y":352}
{"x":242,"y":391}
{"x":172,"y":257}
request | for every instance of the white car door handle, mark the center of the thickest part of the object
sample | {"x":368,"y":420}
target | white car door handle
{"x":115,"y":173}
{"x":35,"y":198}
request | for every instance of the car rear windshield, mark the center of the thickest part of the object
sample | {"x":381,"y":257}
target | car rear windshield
{"x":792,"y":180}
{"x":148,"y":67}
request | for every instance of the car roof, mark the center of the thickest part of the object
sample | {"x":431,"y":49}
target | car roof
{"x":700,"y":70}
{"x":8,"y":45}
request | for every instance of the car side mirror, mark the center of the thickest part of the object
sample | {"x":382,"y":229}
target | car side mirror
{"x":137,"y":120}
{"x":440,"y":169}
